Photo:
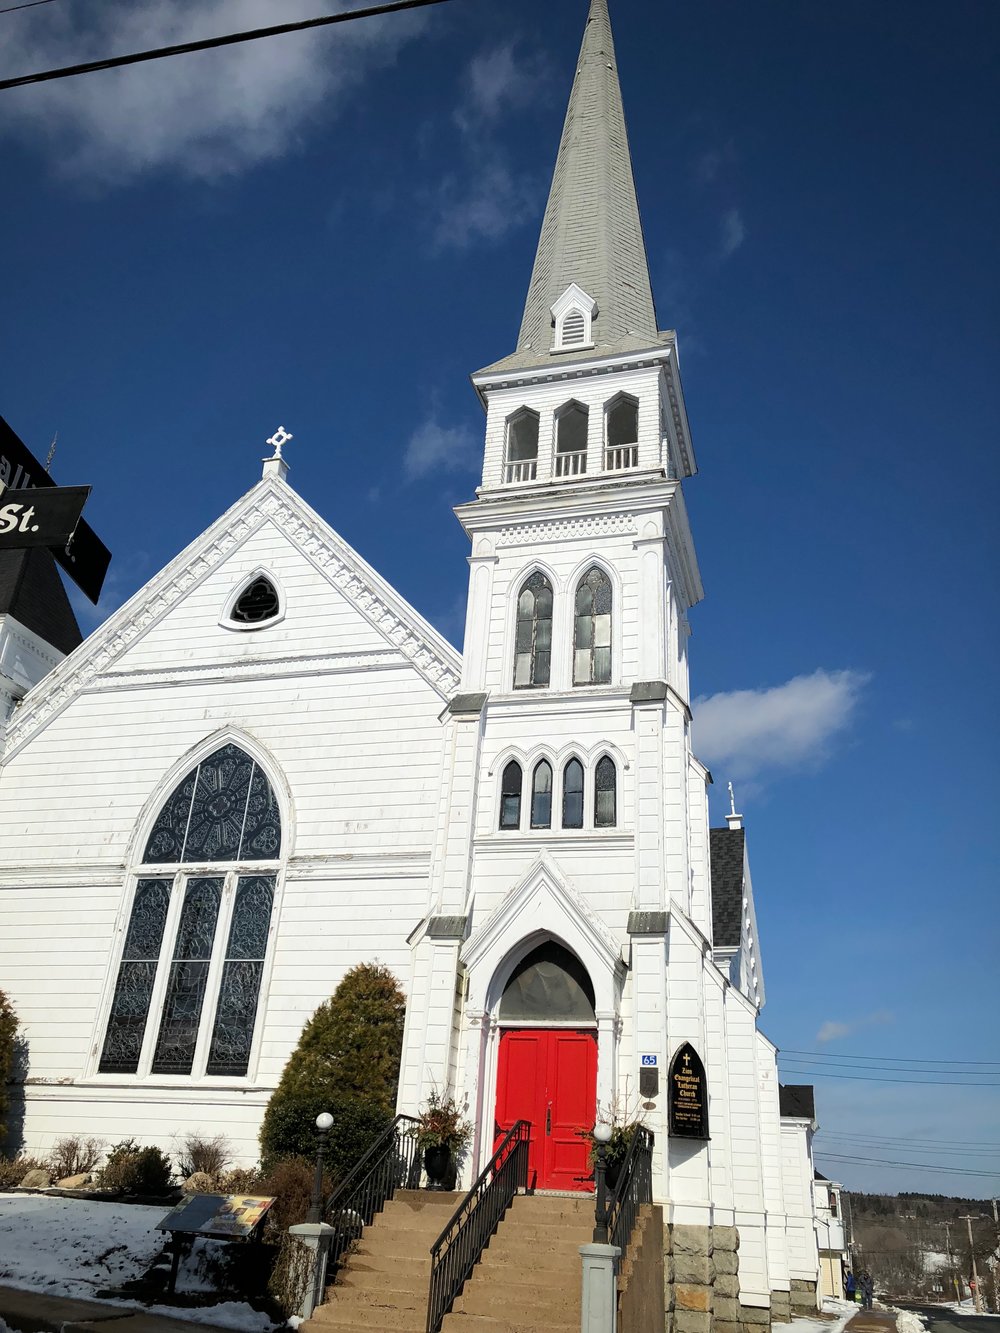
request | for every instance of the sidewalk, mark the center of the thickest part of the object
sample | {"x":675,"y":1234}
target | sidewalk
{"x":29,"y":1312}
{"x":873,"y":1321}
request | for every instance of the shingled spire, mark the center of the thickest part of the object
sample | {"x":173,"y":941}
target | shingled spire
{"x":591,"y":234}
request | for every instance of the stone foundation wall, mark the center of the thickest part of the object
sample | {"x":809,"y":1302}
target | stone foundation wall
{"x":803,"y":1296}
{"x":701,"y":1282}
{"x":781,"y":1307}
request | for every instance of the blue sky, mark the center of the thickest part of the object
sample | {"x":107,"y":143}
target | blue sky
{"x":331,"y":231}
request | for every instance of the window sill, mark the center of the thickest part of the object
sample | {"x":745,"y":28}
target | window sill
{"x":566,"y":838}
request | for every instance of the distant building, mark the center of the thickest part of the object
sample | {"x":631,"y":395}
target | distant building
{"x":831,"y":1237}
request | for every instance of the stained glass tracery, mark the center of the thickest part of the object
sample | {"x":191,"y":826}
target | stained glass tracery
{"x":224,"y":810}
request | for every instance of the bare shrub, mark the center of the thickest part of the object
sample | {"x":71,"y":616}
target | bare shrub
{"x":242,"y":1180}
{"x":291,"y":1183}
{"x":210,"y":1156}
{"x":75,"y":1156}
{"x":134,"y":1170}
{"x":14,"y":1169}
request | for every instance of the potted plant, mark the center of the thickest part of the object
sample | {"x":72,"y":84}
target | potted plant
{"x":623,"y":1125}
{"x":441,"y":1133}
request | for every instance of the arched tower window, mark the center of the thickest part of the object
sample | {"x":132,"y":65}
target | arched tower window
{"x":541,"y":795}
{"x":605,"y":796}
{"x":572,"y":795}
{"x":194,"y":949}
{"x":571,"y":440}
{"x":550,"y":985}
{"x":533,"y":641}
{"x":510,"y":796}
{"x":592,"y":634}
{"x":257,"y":603}
{"x":522,"y":446}
{"x":622,"y":433}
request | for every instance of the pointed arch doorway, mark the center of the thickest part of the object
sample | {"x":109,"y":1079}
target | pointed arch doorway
{"x":547,"y":1065}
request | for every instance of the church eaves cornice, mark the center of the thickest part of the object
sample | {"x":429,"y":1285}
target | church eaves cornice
{"x":271,"y":500}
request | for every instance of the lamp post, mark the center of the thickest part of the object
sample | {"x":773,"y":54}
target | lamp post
{"x":324,"y":1123}
{"x":602,"y":1137}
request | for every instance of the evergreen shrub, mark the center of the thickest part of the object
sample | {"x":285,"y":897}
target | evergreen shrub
{"x":8,"y":1048}
{"x":346,"y":1062}
{"x":134,"y":1170}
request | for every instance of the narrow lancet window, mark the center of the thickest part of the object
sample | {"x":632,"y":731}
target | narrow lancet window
{"x":571,"y":440}
{"x":572,"y":795}
{"x":533,"y":645}
{"x":257,"y":603}
{"x":510,"y":796}
{"x":592,"y":635}
{"x":541,"y":795}
{"x":605,"y":796}
{"x":522,"y":446}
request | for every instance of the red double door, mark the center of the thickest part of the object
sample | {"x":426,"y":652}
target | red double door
{"x":549,"y":1078}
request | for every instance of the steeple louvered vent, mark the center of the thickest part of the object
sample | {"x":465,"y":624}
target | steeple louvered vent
{"x":574,"y":329}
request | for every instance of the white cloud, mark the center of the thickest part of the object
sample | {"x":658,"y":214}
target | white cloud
{"x":436,"y":448}
{"x":497,"y":81}
{"x":833,"y":1030}
{"x":747,"y":732}
{"x":733,"y":232}
{"x":483,"y":206}
{"x":205,"y":115}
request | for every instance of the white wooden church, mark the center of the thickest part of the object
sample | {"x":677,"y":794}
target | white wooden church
{"x":267,"y":767}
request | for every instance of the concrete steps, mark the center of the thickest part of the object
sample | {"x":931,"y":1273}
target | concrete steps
{"x":528,"y":1280}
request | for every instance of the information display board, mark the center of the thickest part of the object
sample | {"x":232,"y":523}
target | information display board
{"x":223,"y":1216}
{"x":688,"y":1095}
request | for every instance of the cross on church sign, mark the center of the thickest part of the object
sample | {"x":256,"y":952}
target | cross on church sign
{"x":688,"y":1095}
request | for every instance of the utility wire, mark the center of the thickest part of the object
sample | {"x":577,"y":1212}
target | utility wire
{"x":917,"y":1166}
{"x":875,"y":1078}
{"x":899,"y":1139}
{"x":848,"y":1144}
{"x":160,"y":53}
{"x":28,"y":4}
{"x":801,"y":1062}
{"x":889,"y":1059}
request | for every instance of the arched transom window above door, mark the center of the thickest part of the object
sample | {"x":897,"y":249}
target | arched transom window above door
{"x":549,"y":986}
{"x":189,"y":978}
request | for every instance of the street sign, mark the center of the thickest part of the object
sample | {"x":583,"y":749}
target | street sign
{"x":87,"y":559}
{"x":39,"y":517}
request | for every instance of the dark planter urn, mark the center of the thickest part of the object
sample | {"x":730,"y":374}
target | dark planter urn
{"x":437,"y":1164}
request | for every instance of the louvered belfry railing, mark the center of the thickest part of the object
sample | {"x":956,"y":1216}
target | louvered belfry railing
{"x":633,"y":1189}
{"x":391,"y":1163}
{"x":460,"y":1245}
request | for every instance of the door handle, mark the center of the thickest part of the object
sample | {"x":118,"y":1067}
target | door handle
{"x":548,"y":1119}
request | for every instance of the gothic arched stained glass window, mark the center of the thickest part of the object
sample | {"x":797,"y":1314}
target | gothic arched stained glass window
{"x":605,"y":802}
{"x":189,"y":980}
{"x":592,"y":632}
{"x":257,"y":603}
{"x":533,"y":634}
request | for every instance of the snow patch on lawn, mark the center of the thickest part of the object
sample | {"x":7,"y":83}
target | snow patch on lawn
{"x":76,"y":1247}
{"x":908,"y":1322}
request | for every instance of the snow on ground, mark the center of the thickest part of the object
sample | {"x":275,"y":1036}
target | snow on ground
{"x":908,"y":1322}
{"x":843,"y":1311}
{"x":76,"y":1247}
{"x":968,"y":1306}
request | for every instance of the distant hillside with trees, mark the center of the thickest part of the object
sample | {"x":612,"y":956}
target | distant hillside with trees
{"x":918,"y":1244}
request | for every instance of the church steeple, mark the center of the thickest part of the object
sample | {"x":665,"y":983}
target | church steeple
{"x":591,"y":234}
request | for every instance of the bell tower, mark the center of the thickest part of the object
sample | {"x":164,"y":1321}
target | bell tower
{"x":573,"y":814}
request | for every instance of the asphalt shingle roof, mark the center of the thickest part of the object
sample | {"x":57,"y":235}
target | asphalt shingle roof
{"x":33,"y":593}
{"x":798,"y":1100}
{"x":726,"y":851}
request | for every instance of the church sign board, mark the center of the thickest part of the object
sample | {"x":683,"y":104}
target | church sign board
{"x":86,"y":558}
{"x":40,"y":517}
{"x":688,"y":1095}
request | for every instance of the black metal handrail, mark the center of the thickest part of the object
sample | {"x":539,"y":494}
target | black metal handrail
{"x":633,"y":1189}
{"x":391,"y":1162}
{"x":457,"y":1250}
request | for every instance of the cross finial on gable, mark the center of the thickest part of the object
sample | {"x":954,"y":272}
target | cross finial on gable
{"x":733,"y":819}
{"x":275,"y":466}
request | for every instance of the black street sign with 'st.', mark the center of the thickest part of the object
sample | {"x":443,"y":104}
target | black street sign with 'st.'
{"x":40,"y":517}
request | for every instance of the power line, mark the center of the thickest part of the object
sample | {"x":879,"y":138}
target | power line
{"x":899,"y":1138}
{"x":916,"y":1166}
{"x":28,"y":4}
{"x":874,"y":1078}
{"x":208,"y":43}
{"x":889,"y":1059}
{"x":849,"y":1141}
{"x":801,"y":1062}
